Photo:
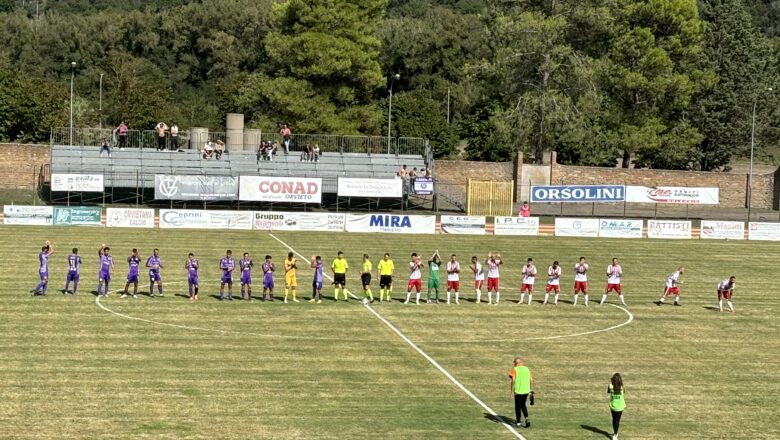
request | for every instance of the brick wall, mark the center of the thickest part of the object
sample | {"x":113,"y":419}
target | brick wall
{"x":452,"y":176}
{"x":20,"y":163}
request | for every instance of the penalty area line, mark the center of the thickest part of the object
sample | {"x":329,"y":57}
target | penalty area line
{"x":414,"y":346}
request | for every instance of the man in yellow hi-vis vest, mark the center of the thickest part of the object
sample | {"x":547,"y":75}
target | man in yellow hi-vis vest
{"x":522,"y":385}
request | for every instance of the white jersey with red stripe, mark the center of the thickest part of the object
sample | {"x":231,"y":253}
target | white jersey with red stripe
{"x":529,"y":274}
{"x":415,"y":272}
{"x":725,"y":285}
{"x":614,"y":273}
{"x":554,"y":276}
{"x":581,"y":272}
{"x":453,"y":268}
{"x":672,"y":279}
{"x":479,"y":274}
{"x":493,"y":270}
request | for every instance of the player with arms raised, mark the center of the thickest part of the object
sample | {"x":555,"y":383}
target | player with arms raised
{"x":479,"y":276}
{"x":453,"y":278}
{"x":43,"y":269}
{"x":614,"y":276}
{"x":529,"y":275}
{"x":553,"y":282}
{"x":192,"y":276}
{"x":672,"y":287}
{"x":725,"y":291}
{"x":415,"y":278}
{"x":493,"y":263}
{"x":154,"y":263}
{"x":581,"y":280}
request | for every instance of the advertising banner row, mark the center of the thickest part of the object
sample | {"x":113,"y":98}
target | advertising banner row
{"x":621,"y":193}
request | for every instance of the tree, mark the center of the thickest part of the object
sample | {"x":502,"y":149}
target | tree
{"x":29,"y":106}
{"x":415,"y":114}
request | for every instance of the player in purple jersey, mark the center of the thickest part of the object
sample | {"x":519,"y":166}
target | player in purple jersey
{"x":227,"y":264}
{"x":106,"y":269}
{"x":268,"y":278}
{"x":192,"y":276}
{"x":316,"y":284}
{"x":133,"y":262}
{"x":43,"y":269}
{"x":154,"y":263}
{"x":74,"y":263}
{"x":246,"y":265}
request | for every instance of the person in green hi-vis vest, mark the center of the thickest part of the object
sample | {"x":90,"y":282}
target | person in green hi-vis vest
{"x":617,"y":402}
{"x":434,"y":281}
{"x":521,"y":385}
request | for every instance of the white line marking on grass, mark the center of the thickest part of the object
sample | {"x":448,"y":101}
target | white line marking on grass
{"x":628,"y":321}
{"x":419,"y":350}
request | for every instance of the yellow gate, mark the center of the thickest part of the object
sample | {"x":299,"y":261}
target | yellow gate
{"x":489,"y":198}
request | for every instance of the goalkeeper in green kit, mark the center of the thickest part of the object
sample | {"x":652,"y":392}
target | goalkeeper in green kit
{"x":434,"y":282}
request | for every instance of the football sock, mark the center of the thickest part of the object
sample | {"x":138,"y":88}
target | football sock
{"x":336,"y":293}
{"x":677,"y":300}
{"x":576,"y":296}
{"x":408,"y":295}
{"x":556,"y":299}
{"x":418,"y":297}
{"x":448,"y":297}
{"x":586,"y":299}
{"x":479,"y":296}
{"x":456,"y":296}
{"x":530,"y":297}
{"x":522,"y":296}
{"x":490,"y":297}
{"x":498,"y":296}
{"x":603,"y":298}
{"x":546,"y":295}
{"x":286,"y":293}
{"x":622,"y":300}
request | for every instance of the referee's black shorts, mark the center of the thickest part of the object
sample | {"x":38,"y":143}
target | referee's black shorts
{"x":365,"y":279}
{"x":339,"y":279}
{"x":385,"y":281}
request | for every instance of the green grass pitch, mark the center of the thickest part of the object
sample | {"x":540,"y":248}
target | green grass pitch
{"x":255,"y":370}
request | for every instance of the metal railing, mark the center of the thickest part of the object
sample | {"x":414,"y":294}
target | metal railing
{"x":134,"y":138}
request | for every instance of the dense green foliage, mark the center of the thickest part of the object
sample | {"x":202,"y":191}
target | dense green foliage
{"x":662,"y":83}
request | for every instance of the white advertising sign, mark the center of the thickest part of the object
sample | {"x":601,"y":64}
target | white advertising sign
{"x":394,"y":224}
{"x":77,"y":182}
{"x":196,"y":219}
{"x":516,"y":225}
{"x":280,"y":189}
{"x":129,"y":218}
{"x":577,"y":227}
{"x":672,"y":194}
{"x":764,"y":231}
{"x":620,"y":228}
{"x":27,"y":215}
{"x":722,"y":230}
{"x":668,"y":229}
{"x":354,"y":187}
{"x":298,"y":221}
{"x":463,"y":224}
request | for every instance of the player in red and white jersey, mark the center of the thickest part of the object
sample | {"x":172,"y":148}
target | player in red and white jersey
{"x":614,"y":275}
{"x":529,"y":274}
{"x":493,"y":263}
{"x":415,"y":278}
{"x":479,"y":276}
{"x":725,"y":291}
{"x":581,"y":280}
{"x":672,"y":287}
{"x":453,"y":278}
{"x":553,"y":282}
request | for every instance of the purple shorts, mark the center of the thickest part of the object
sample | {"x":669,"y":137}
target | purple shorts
{"x":105,"y":276}
{"x":44,"y":275}
{"x":316,"y":284}
{"x":246,"y":278}
{"x":154,"y":276}
{"x":193,"y":280}
{"x":227,"y":278}
{"x":72,"y":276}
{"x":268,"y":282}
{"x":132,"y":277}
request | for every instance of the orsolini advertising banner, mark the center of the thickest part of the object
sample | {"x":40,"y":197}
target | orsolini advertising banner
{"x":77,"y":182}
{"x":764,"y":231}
{"x":129,"y":218}
{"x":393,"y":224}
{"x":576,"y":227}
{"x":27,"y":215}
{"x":672,"y":194}
{"x":722,"y":230}
{"x":200,"y":187}
{"x":356,"y":187}
{"x":620,"y":228}
{"x":299,"y":221}
{"x":669,"y":229}
{"x":77,"y":216}
{"x":198,"y":219}
{"x":516,"y":225}
{"x":463,"y":224}
{"x":578,"y":193}
{"x":280,"y":189}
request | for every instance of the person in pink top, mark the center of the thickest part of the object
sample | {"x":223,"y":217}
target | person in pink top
{"x":286,"y":134}
{"x":525,"y":210}
{"x":122,"y":132}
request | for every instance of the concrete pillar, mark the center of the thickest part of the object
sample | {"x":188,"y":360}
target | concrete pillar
{"x":198,"y":137}
{"x":234,"y":132}
{"x":252,"y":139}
{"x":517,"y":175}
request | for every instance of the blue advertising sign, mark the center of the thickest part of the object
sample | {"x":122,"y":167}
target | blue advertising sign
{"x":578,"y":193}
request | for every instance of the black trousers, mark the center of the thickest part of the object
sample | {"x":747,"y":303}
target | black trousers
{"x":616,"y":420}
{"x":520,"y":408}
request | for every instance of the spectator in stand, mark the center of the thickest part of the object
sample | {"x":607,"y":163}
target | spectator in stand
{"x":306,"y":153}
{"x":315,"y":153}
{"x":412,"y":175}
{"x":161,"y":128}
{"x":286,"y":134}
{"x":121,"y":130}
{"x":104,"y":147}
{"x":207,"y":151}
{"x":428,"y":172}
{"x":401,"y":172}
{"x":219,"y":148}
{"x":174,"y":136}
{"x":525,"y":210}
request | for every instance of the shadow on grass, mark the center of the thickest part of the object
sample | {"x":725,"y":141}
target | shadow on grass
{"x":596,"y":430}
{"x":710,"y":308}
{"x":499,"y":419}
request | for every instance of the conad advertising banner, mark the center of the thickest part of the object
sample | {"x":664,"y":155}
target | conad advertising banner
{"x":672,"y":194}
{"x":197,"y":219}
{"x":174,"y":187}
{"x":77,"y":216}
{"x":299,"y":221}
{"x":668,"y":229}
{"x":620,"y":228}
{"x":394,"y":224}
{"x":764,"y":231}
{"x":355,"y":187}
{"x":129,"y":218}
{"x":463,"y":224}
{"x":280,"y":189}
{"x":27,"y":215}
{"x":77,"y":182}
{"x":578,"y":193}
{"x":722,"y":230}
{"x":516,"y":225}
{"x":577,"y":227}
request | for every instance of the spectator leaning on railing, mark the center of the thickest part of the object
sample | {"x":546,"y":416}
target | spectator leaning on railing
{"x":121,"y":130}
{"x":161,"y":128}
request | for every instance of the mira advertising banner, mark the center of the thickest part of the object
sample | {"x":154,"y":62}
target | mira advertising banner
{"x":129,"y":218}
{"x":173,"y":187}
{"x":463,"y":224}
{"x":576,"y":227}
{"x":669,"y":229}
{"x":516,"y":225}
{"x":355,"y":187}
{"x":77,"y":182}
{"x":620,"y":228}
{"x":77,"y":216}
{"x":722,"y":230}
{"x":198,"y":219}
{"x":764,"y":231}
{"x":27,"y":215}
{"x":299,"y":221}
{"x":280,"y":189}
{"x":393,"y":224}
{"x":672,"y":194}
{"x":578,"y":193}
